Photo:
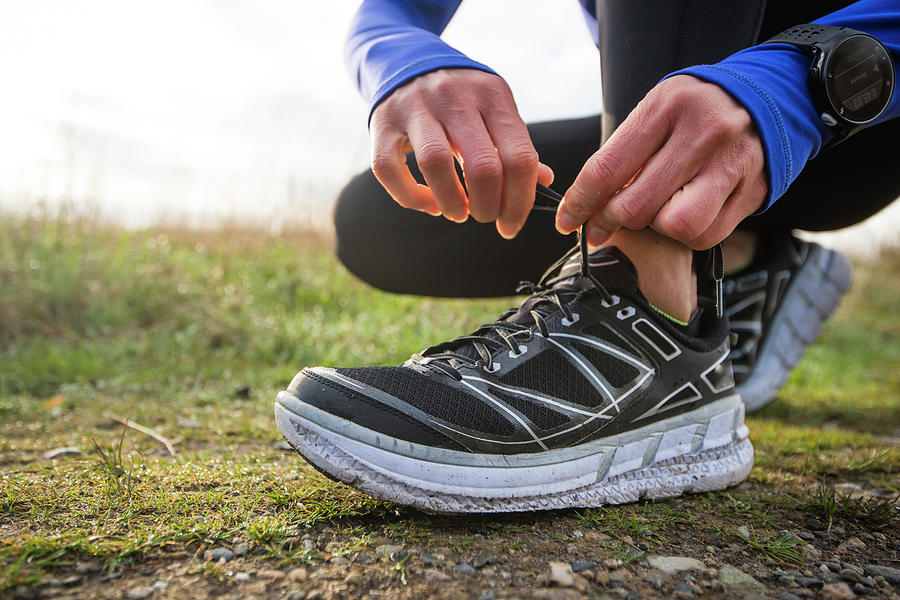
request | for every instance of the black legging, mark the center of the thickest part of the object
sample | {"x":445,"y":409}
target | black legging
{"x":400,"y":250}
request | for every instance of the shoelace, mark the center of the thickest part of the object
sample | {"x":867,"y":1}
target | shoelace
{"x":554,"y":288}
{"x":549,"y":291}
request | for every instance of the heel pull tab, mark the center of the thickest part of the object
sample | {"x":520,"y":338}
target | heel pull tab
{"x":718,"y":269}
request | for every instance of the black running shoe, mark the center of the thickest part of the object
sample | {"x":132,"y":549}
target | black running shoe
{"x":776,"y":307}
{"x":585,"y":395}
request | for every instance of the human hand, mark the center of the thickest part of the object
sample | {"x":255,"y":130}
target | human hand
{"x":687,"y":162}
{"x":469,"y":114}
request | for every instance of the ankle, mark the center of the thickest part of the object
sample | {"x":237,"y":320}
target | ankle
{"x":739,"y":248}
{"x":665,"y":271}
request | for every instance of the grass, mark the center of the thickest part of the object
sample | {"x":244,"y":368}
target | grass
{"x":192,"y":333}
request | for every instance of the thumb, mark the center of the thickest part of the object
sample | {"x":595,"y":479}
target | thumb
{"x":545,"y":174}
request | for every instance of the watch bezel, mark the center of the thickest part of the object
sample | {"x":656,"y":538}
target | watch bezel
{"x":826,"y":60}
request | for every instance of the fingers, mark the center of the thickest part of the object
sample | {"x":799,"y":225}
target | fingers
{"x":390,"y":169}
{"x":482,"y":168}
{"x":611,"y":167}
{"x":692,"y":209}
{"x":435,"y":159}
{"x":520,"y":168}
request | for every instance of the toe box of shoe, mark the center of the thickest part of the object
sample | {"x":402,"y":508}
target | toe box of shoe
{"x":348,"y":400}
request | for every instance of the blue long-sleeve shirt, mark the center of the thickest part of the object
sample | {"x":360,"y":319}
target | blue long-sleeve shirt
{"x":393,"y":41}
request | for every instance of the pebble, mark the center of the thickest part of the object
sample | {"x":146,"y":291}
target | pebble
{"x":619,"y":576}
{"x":465,"y":568}
{"x":364,"y":558}
{"x":868,"y":582}
{"x":890,"y":574}
{"x":62,"y":452}
{"x":561,"y":574}
{"x":853,"y":568}
{"x":806,"y":536}
{"x":682,"y":587}
{"x":583,"y":565}
{"x":273,"y":574}
{"x":786,"y":596}
{"x":296,"y":595}
{"x":735,"y":578}
{"x":743,"y":531}
{"x":390,"y":551}
{"x":612,"y":563}
{"x":557,"y":594}
{"x":241,"y":549}
{"x":434,"y":575}
{"x":87,"y":567}
{"x":160,"y":585}
{"x":837,"y":591}
{"x":815,"y":524}
{"x":786,"y":580}
{"x":486,"y":558}
{"x":833,"y":566}
{"x":353,"y":579}
{"x":850,"y":575}
{"x":242,"y":577}
{"x":218,"y":554}
{"x":298,"y":574}
{"x":670,"y":565}
{"x":139,"y":593}
{"x":809,"y":553}
{"x":854,"y":543}
{"x":809,"y":581}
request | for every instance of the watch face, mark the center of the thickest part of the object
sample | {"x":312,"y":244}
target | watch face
{"x":859,"y":79}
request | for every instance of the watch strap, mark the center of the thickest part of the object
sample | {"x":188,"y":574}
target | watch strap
{"x":807,"y":35}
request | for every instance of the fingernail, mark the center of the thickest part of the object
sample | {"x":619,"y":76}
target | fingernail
{"x":565,"y":223}
{"x":596,"y":235}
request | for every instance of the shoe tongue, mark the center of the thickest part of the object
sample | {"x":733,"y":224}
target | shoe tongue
{"x":609,"y":266}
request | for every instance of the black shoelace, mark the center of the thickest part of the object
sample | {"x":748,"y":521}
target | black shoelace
{"x":554,"y":289}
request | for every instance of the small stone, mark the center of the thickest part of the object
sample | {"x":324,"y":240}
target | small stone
{"x":619,"y":576}
{"x":271,"y":574}
{"x":241,"y":549}
{"x":433,"y":575}
{"x":188,"y":423}
{"x":786,"y":580}
{"x":711,"y":549}
{"x":87,"y":567}
{"x":296,"y":595}
{"x":786,"y":596}
{"x":815,"y":524}
{"x":139,"y":593}
{"x":853,"y":567}
{"x":850,"y":575}
{"x":364,"y":558}
{"x":670,"y":565}
{"x":218,"y":554}
{"x":63,"y":452}
{"x":333,"y":547}
{"x":612,"y":563}
{"x":834,"y":567}
{"x":577,"y":534}
{"x":159,"y":585}
{"x":854,"y":543}
{"x":465,"y":568}
{"x":890,"y":574}
{"x":390,"y":552}
{"x":582,"y":565}
{"x":831,"y":578}
{"x":353,"y":579}
{"x":242,"y":577}
{"x":561,"y":574}
{"x":743,"y":531}
{"x":809,"y":581}
{"x":806,"y":536}
{"x":557,"y":594}
{"x":837,"y":591}
{"x":298,"y":574}
{"x":809,"y":552}
{"x":486,"y":558}
{"x":868,"y":582}
{"x":735,"y":578}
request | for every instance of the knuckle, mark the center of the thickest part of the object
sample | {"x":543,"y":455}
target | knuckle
{"x":579,"y":204}
{"x":484,"y":168}
{"x":382,"y":165}
{"x":631,"y":214}
{"x":522,"y":161}
{"x":679,"y":225}
{"x":433,"y":155}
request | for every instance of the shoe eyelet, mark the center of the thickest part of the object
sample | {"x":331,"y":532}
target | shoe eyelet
{"x":614,"y":300}
{"x":625,"y":313}
{"x":522,"y":350}
{"x":565,"y":321}
{"x":493,"y":368}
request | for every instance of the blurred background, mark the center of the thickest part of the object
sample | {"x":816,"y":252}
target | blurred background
{"x":202,"y":112}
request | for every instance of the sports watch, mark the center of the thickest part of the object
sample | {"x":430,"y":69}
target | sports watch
{"x":851,"y":76}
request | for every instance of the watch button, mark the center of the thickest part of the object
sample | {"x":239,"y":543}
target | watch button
{"x":813,"y":73}
{"x":828,"y":119}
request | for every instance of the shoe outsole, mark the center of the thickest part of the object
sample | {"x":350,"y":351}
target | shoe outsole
{"x":809,"y":300}
{"x":712,"y":454}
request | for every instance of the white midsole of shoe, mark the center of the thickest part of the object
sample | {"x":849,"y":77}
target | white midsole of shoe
{"x":707,"y":450}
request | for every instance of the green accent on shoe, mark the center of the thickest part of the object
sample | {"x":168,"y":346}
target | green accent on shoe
{"x":668,"y":316}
